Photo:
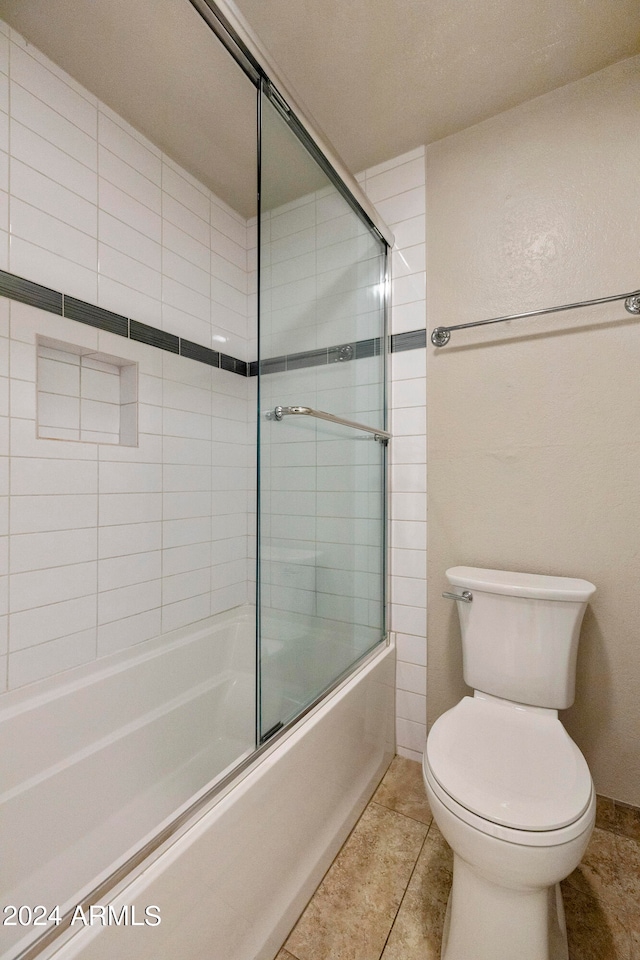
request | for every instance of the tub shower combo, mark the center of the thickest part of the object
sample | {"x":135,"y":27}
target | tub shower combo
{"x":189,"y":783}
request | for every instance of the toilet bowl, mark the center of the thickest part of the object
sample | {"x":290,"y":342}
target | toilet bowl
{"x":508,"y":788}
{"x":514,"y":836}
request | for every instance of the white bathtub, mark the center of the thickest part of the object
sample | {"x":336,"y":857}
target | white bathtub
{"x":100,"y":759}
{"x":96,"y":760}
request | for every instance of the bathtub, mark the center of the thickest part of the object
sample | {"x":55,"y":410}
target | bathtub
{"x":104,"y":757}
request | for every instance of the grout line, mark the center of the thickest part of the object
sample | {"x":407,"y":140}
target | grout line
{"x":393,"y":922}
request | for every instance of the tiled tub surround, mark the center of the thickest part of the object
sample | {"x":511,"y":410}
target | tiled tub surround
{"x":91,"y":208}
{"x":398,"y":190}
{"x":51,"y":628}
{"x":104,"y":545}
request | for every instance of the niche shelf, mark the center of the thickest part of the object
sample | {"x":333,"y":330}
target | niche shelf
{"x":85,"y":395}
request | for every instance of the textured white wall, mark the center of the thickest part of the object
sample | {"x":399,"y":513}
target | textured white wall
{"x":533,"y":425}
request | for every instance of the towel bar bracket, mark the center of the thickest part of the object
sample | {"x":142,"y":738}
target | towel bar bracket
{"x":441,"y":335}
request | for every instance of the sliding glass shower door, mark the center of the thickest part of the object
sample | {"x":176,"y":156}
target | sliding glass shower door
{"x":321,"y":427}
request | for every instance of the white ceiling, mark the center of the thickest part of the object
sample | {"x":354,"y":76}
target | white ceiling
{"x":384,"y":76}
{"x":378,"y":77}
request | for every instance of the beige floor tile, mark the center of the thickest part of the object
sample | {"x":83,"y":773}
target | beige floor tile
{"x":596,"y":902}
{"x":595,"y":930}
{"x":628,"y":821}
{"x":434,"y":870}
{"x":598,"y":870}
{"x":634,"y":930}
{"x":629,"y":868}
{"x":364,"y":905}
{"x":417,"y":931}
{"x":402,"y":790}
{"x":351,"y":913}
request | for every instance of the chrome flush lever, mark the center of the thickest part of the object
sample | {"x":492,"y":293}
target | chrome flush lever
{"x":466,"y":596}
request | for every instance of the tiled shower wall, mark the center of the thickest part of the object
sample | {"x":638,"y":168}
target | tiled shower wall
{"x":103,"y":545}
{"x":398,"y":190}
{"x":109,"y":544}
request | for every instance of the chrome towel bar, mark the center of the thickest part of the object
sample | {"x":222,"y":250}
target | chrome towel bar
{"x":441,"y":335}
{"x":383,"y":436}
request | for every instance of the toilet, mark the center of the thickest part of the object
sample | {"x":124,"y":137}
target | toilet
{"x":508,"y":788}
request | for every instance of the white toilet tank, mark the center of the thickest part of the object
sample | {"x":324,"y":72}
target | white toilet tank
{"x":520,"y":633}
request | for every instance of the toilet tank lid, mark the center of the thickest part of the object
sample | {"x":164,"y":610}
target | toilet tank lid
{"x":531,"y":585}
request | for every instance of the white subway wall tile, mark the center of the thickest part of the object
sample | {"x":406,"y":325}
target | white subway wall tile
{"x":47,"y":659}
{"x":45,"y":81}
{"x":123,"y":571}
{"x":124,"y":539}
{"x":184,"y":218}
{"x":131,"y":131}
{"x":128,"y":601}
{"x":36,"y":551}
{"x":35,"y":589}
{"x":402,"y":206}
{"x":29,"y":223}
{"x":125,"y":633}
{"x":179,"y":242}
{"x":176,"y":615}
{"x":127,"y":178}
{"x":115,"y":296}
{"x":35,"y":514}
{"x":231,"y":250}
{"x":44,"y":156}
{"x":123,"y":206}
{"x":52,"y":621}
{"x":227,"y":222}
{"x":129,"y":241}
{"x":52,"y":270}
{"x":411,"y":736}
{"x":44,"y":193}
{"x":33,"y":477}
{"x":194,"y":197}
{"x":411,"y":706}
{"x":130,"y":272}
{"x":411,"y":677}
{"x":121,"y":508}
{"x":49,"y":123}
{"x":123,"y":142}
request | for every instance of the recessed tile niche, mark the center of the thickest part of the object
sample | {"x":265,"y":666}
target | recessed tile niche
{"x":85,"y":395}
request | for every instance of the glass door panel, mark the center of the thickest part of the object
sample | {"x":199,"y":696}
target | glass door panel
{"x":321,"y":482}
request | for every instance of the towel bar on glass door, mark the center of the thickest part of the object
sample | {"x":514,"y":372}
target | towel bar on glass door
{"x":383,"y":436}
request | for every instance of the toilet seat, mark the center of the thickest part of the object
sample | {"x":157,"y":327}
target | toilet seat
{"x":509,"y":770}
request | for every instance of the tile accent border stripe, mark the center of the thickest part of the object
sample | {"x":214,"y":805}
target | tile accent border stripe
{"x":412,"y":340}
{"x":35,"y":295}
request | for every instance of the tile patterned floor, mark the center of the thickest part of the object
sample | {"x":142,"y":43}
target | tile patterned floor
{"x":384,"y":896}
